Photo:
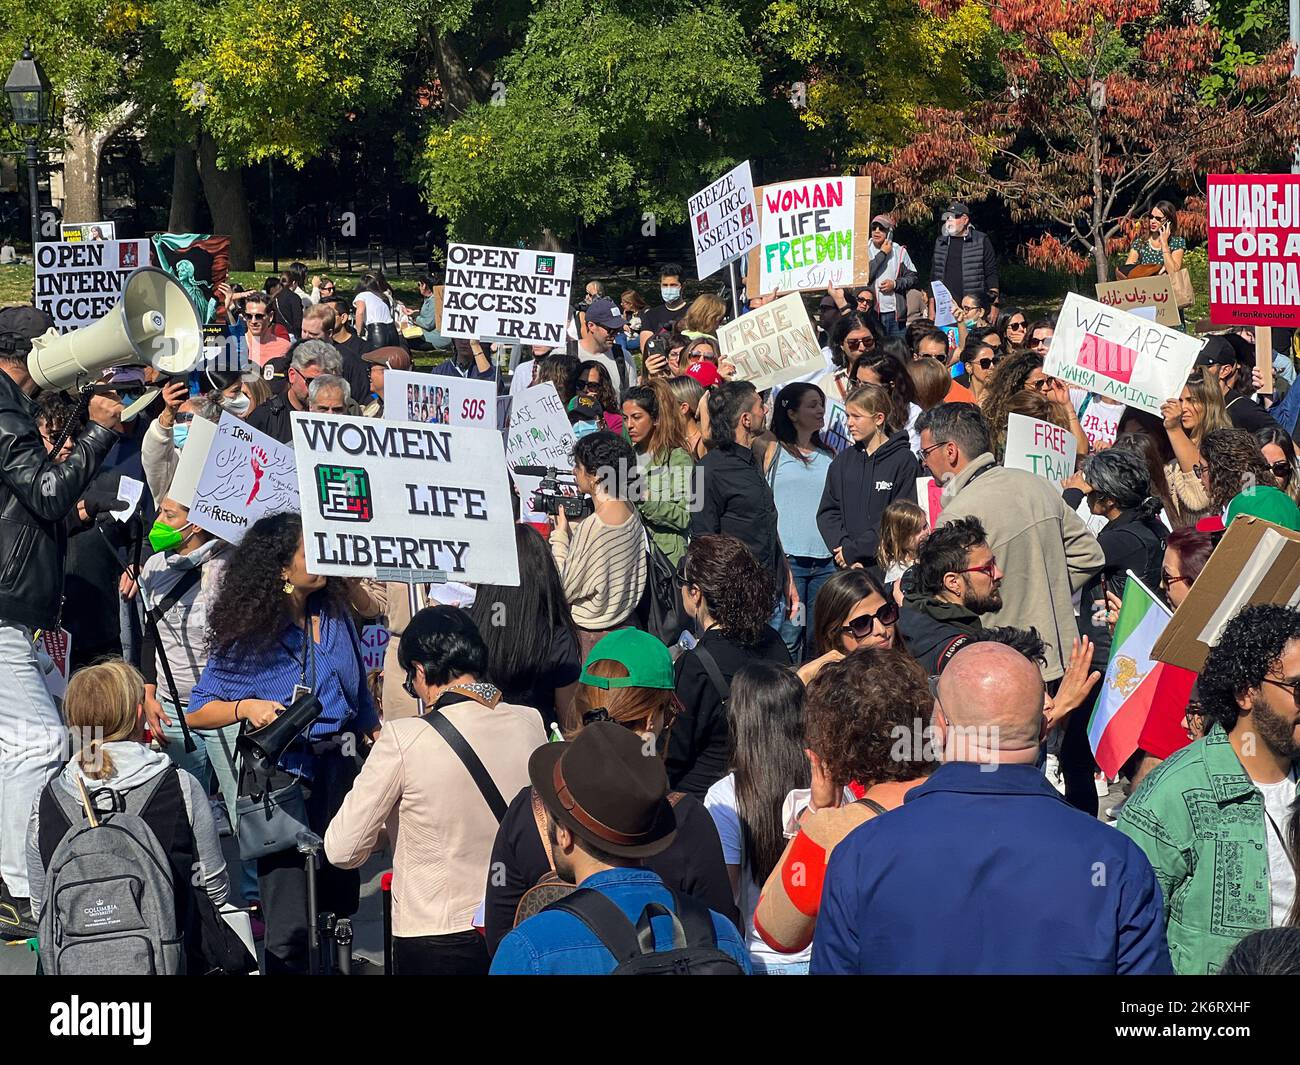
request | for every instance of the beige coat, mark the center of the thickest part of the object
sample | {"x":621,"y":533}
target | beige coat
{"x":440,"y":825}
{"x":1043,"y":547}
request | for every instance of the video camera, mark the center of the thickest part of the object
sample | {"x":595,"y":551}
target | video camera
{"x":554,"y":493}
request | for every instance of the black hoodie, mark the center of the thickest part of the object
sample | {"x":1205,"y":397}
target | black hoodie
{"x":858,"y":489}
{"x":934,"y":628}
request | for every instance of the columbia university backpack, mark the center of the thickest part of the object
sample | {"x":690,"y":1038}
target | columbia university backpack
{"x":695,"y":950}
{"x":110,"y":905}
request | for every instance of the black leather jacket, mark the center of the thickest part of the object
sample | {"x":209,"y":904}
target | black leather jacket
{"x":35,"y":496}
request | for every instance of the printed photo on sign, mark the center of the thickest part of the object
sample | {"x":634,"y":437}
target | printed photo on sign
{"x":807,"y":234}
{"x":1121,"y":357}
{"x":1100,"y":419}
{"x":506,"y":294}
{"x":86,"y":231}
{"x":1254,"y":249}
{"x":79,"y":283}
{"x":397,"y":500}
{"x":422,"y":397}
{"x":1040,"y":447}
{"x":723,"y":226}
{"x":247,"y":475}
{"x":773,"y":344}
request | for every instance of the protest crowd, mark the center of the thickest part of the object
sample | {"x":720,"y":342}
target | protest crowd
{"x":794,"y":628}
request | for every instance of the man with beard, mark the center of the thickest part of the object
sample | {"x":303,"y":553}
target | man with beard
{"x":1215,"y":818}
{"x":955,"y":581}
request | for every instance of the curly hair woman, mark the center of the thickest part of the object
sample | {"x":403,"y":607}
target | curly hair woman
{"x":275,"y":628}
{"x":730,"y":596}
{"x":1232,"y":464}
{"x":1015,"y":374}
{"x":855,"y":713}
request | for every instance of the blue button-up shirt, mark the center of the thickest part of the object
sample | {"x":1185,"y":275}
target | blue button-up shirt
{"x":554,"y":943}
{"x":989,"y":872}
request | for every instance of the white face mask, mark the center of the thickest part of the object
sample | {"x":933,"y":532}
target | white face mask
{"x":669,"y":294}
{"x":238,"y":406}
{"x":950,"y":228}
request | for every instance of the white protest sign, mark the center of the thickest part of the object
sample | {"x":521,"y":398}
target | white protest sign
{"x":247,"y":476}
{"x":808,"y":234}
{"x":437,"y":400}
{"x":374,"y":641}
{"x":129,"y":491}
{"x":723,"y":226}
{"x":194,"y":455}
{"x":400,"y":501}
{"x":78,"y":283}
{"x":539,"y":433}
{"x":1039,"y":447}
{"x":773,"y":344}
{"x":506,"y":294}
{"x":1119,"y":355}
{"x":944,"y":314}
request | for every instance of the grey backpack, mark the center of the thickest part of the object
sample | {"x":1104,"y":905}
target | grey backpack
{"x":110,"y":893}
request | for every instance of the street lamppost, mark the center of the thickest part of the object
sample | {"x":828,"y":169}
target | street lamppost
{"x":31,"y":103}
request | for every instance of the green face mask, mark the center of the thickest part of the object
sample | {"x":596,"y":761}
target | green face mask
{"x":163,"y":537}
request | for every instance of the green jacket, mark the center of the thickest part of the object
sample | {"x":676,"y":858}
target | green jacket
{"x":665,"y":504}
{"x":1200,"y":820}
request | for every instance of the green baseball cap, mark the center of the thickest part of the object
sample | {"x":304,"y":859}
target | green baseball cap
{"x":1262,"y":501}
{"x":648,"y":663}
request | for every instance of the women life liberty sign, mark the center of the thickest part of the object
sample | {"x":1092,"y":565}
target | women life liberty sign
{"x":1120,"y":356}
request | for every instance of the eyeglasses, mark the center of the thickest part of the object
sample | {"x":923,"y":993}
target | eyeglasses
{"x":1170,"y":579}
{"x":1290,"y":685}
{"x":925,"y":451}
{"x":327,"y":288}
{"x":1156,"y":217}
{"x":864,"y":624}
{"x":408,"y":685}
{"x":988,"y":569}
{"x":987,"y":363}
{"x":182,"y":417}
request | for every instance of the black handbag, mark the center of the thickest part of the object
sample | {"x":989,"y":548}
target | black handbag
{"x":660,"y":611}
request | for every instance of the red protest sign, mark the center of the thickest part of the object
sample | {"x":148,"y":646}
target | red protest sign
{"x":1254,"y":249}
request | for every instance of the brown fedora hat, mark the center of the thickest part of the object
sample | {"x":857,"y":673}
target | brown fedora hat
{"x":605,"y":789}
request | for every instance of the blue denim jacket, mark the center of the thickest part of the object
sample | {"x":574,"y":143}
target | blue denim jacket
{"x":558,"y":944}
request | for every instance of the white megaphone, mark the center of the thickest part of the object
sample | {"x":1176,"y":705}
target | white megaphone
{"x":154,"y":324}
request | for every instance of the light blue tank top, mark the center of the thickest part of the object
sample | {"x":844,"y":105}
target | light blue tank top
{"x":797,"y":489}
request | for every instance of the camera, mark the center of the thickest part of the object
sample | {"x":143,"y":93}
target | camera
{"x":552,"y":494}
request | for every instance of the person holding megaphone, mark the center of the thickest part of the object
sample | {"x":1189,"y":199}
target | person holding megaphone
{"x":37,"y":493}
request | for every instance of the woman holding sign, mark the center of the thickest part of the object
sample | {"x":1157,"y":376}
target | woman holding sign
{"x":1198,"y":411}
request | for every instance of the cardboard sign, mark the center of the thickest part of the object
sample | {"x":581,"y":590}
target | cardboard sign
{"x":82,"y":232}
{"x":437,"y":400}
{"x":539,"y":433}
{"x":506,"y":294}
{"x":374,"y":642}
{"x":809,"y":234}
{"x":772,"y":345}
{"x":201,"y":264}
{"x":1254,"y":249}
{"x":194,"y":456}
{"x":247,"y":476}
{"x":54,"y":655}
{"x":404,"y":502}
{"x":77,"y":284}
{"x":929,"y":494}
{"x":1119,"y":355}
{"x":1039,"y":447}
{"x":1156,"y":291}
{"x":1255,"y":562}
{"x":723,"y":224}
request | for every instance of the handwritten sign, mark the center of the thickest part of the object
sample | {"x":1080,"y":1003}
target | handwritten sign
{"x":247,"y":476}
{"x":374,"y":642}
{"x":1155,"y":291}
{"x":723,"y":224}
{"x":1254,"y":249}
{"x":773,"y":344}
{"x":403,"y":498}
{"x":437,"y":400}
{"x":929,"y":494}
{"x":1100,"y":420}
{"x":1119,"y":355}
{"x":1039,"y":447}
{"x":809,"y":234}
{"x":539,"y":433}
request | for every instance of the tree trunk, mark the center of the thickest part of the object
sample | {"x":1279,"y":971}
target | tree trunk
{"x":185,"y":190}
{"x":81,"y":164}
{"x":224,"y":191}
{"x":1098,"y":234}
{"x":461,"y":86}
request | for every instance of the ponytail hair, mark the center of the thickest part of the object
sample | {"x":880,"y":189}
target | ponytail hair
{"x":102,"y":705}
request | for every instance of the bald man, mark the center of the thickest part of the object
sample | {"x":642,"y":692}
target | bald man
{"x":985,"y":868}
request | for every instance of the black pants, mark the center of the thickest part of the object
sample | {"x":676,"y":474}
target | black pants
{"x":457,"y":954}
{"x":1077,"y":765}
{"x":282,"y":878}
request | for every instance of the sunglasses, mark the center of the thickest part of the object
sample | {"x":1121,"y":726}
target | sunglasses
{"x":589,"y":386}
{"x":988,"y":569}
{"x":1291,"y":686}
{"x":254,"y":317}
{"x":1281,"y":469}
{"x":854,"y":343}
{"x":1041,"y":342}
{"x":986,"y":363}
{"x":864,"y":624}
{"x":865,"y":300}
{"x":184,"y":417}
{"x":1019,"y":327}
{"x":1041,"y":385}
{"x":327,"y":288}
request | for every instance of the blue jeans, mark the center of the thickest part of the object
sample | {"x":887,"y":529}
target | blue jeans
{"x":889,"y":322}
{"x":809,"y":575}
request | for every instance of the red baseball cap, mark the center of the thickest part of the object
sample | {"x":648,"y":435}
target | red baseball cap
{"x":704,"y":372}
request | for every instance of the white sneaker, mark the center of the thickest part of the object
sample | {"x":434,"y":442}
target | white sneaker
{"x":1112,"y":812}
{"x":1052,"y":770}
{"x":1103,"y":786}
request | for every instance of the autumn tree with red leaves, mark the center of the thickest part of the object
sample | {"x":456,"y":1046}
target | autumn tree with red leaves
{"x":1103,"y":110}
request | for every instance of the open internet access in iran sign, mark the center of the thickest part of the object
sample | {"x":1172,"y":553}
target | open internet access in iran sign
{"x":1254,"y":249}
{"x":506,"y":294}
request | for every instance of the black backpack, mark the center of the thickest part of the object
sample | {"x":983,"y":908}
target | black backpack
{"x":695,"y":943}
